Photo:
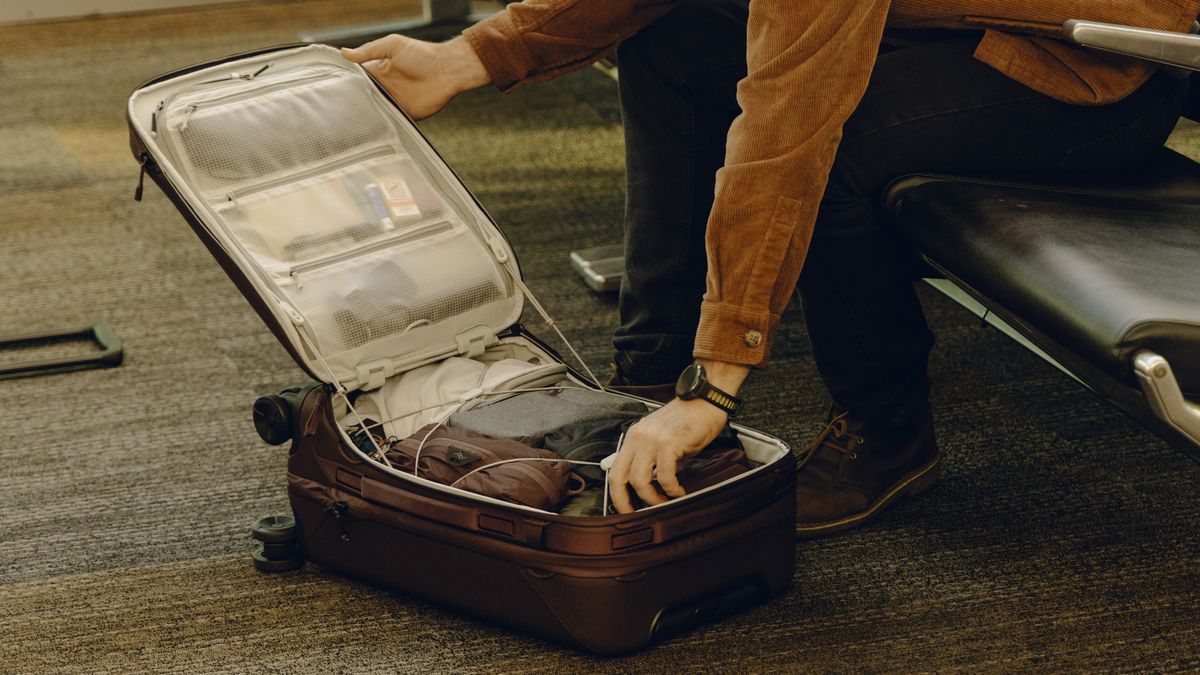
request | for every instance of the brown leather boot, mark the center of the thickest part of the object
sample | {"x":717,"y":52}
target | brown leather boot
{"x":663,"y":393}
{"x":849,"y":473}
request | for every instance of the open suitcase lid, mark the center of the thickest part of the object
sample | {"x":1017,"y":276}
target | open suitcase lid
{"x":368,"y":255}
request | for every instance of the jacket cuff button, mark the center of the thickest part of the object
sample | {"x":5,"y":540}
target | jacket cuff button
{"x":752,"y":338}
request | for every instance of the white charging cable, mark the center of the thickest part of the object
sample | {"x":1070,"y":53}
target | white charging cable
{"x":577,"y":462}
{"x":606,"y":466}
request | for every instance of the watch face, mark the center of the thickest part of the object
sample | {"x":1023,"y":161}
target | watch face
{"x":688,"y":385}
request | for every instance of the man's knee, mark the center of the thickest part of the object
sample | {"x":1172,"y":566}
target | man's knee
{"x":851,"y":190}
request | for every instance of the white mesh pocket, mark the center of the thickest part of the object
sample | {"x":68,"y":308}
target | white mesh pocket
{"x":404,"y":286}
{"x":342,"y":209}
{"x":239,"y":135}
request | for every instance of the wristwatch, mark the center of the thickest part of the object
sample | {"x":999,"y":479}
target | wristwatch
{"x":693,"y":383}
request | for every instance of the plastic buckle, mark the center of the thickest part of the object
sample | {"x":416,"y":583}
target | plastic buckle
{"x":372,"y":375}
{"x":474,"y":342}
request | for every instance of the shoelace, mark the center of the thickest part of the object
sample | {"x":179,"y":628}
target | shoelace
{"x":835,"y":433}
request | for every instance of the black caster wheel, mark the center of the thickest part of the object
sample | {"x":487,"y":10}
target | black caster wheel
{"x":274,"y":530}
{"x":273,"y":419}
{"x":278,"y":549}
{"x":265,"y":564}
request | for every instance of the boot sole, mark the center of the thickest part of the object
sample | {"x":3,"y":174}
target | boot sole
{"x":911,"y":485}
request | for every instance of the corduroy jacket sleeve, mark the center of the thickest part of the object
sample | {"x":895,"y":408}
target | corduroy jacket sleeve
{"x":807,"y":63}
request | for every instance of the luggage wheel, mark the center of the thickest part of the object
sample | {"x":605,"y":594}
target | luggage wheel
{"x":275,"y":415}
{"x":279,"y":548}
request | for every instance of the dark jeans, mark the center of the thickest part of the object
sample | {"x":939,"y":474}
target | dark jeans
{"x":929,"y":107}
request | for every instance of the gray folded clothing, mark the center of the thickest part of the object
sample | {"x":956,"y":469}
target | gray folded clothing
{"x":534,"y":415}
{"x":590,"y":502}
{"x":590,"y":441}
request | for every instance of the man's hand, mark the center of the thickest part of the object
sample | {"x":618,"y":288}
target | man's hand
{"x":421,"y":76}
{"x":655,"y":446}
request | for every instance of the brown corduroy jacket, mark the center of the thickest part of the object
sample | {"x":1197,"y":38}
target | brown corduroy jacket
{"x":815,"y":56}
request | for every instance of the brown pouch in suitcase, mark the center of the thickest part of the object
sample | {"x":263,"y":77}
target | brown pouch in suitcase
{"x":712,"y":465}
{"x":472,"y":461}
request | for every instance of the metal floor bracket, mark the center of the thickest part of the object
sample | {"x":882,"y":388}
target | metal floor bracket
{"x":111,"y":351}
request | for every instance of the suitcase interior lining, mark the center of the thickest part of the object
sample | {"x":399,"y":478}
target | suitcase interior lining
{"x":336,"y":205}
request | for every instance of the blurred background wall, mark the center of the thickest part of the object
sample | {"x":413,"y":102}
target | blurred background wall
{"x":37,"y":10}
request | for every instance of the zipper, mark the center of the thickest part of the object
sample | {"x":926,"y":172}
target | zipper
{"x":240,"y":85}
{"x":295,"y":271}
{"x":145,"y":165}
{"x":387,"y":96}
{"x":185,"y":70}
{"x":360,"y":157}
{"x":447,"y":442}
{"x":556,"y":560}
{"x":154,"y":116}
{"x":339,"y":511}
{"x":191,"y":100}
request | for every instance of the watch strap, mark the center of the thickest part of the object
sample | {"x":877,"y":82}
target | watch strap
{"x":729,"y":403}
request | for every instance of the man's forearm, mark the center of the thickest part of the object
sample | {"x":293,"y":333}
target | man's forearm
{"x":728,"y":377}
{"x":461,"y":66}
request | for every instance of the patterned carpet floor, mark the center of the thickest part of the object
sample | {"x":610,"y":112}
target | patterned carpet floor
{"x":1063,"y":536}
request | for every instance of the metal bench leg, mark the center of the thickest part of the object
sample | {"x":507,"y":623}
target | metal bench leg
{"x":1164,"y":395}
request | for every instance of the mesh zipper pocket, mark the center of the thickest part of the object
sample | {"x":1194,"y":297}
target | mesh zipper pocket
{"x":227,"y":138}
{"x":334,"y":209}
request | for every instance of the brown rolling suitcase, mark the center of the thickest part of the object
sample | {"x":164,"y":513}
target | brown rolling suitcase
{"x":369,"y":260}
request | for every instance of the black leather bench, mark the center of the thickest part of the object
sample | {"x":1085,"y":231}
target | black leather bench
{"x":1093,"y":272}
{"x":1098,"y":273}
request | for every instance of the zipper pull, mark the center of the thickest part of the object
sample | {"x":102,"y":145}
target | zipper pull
{"x":337,"y":511}
{"x":187,"y":115}
{"x":154,"y":116}
{"x":295,"y":275}
{"x":144,"y":162}
{"x":258,"y":72}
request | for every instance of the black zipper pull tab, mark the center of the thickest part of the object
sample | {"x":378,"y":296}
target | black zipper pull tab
{"x":260,"y":71}
{"x":143,"y":160}
{"x":337,"y":511}
{"x":154,"y":116}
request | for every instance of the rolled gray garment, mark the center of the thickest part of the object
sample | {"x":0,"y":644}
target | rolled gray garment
{"x":532,"y":416}
{"x":590,"y":502}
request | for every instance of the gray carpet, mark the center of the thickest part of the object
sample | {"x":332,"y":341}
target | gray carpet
{"x":1063,"y":537}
